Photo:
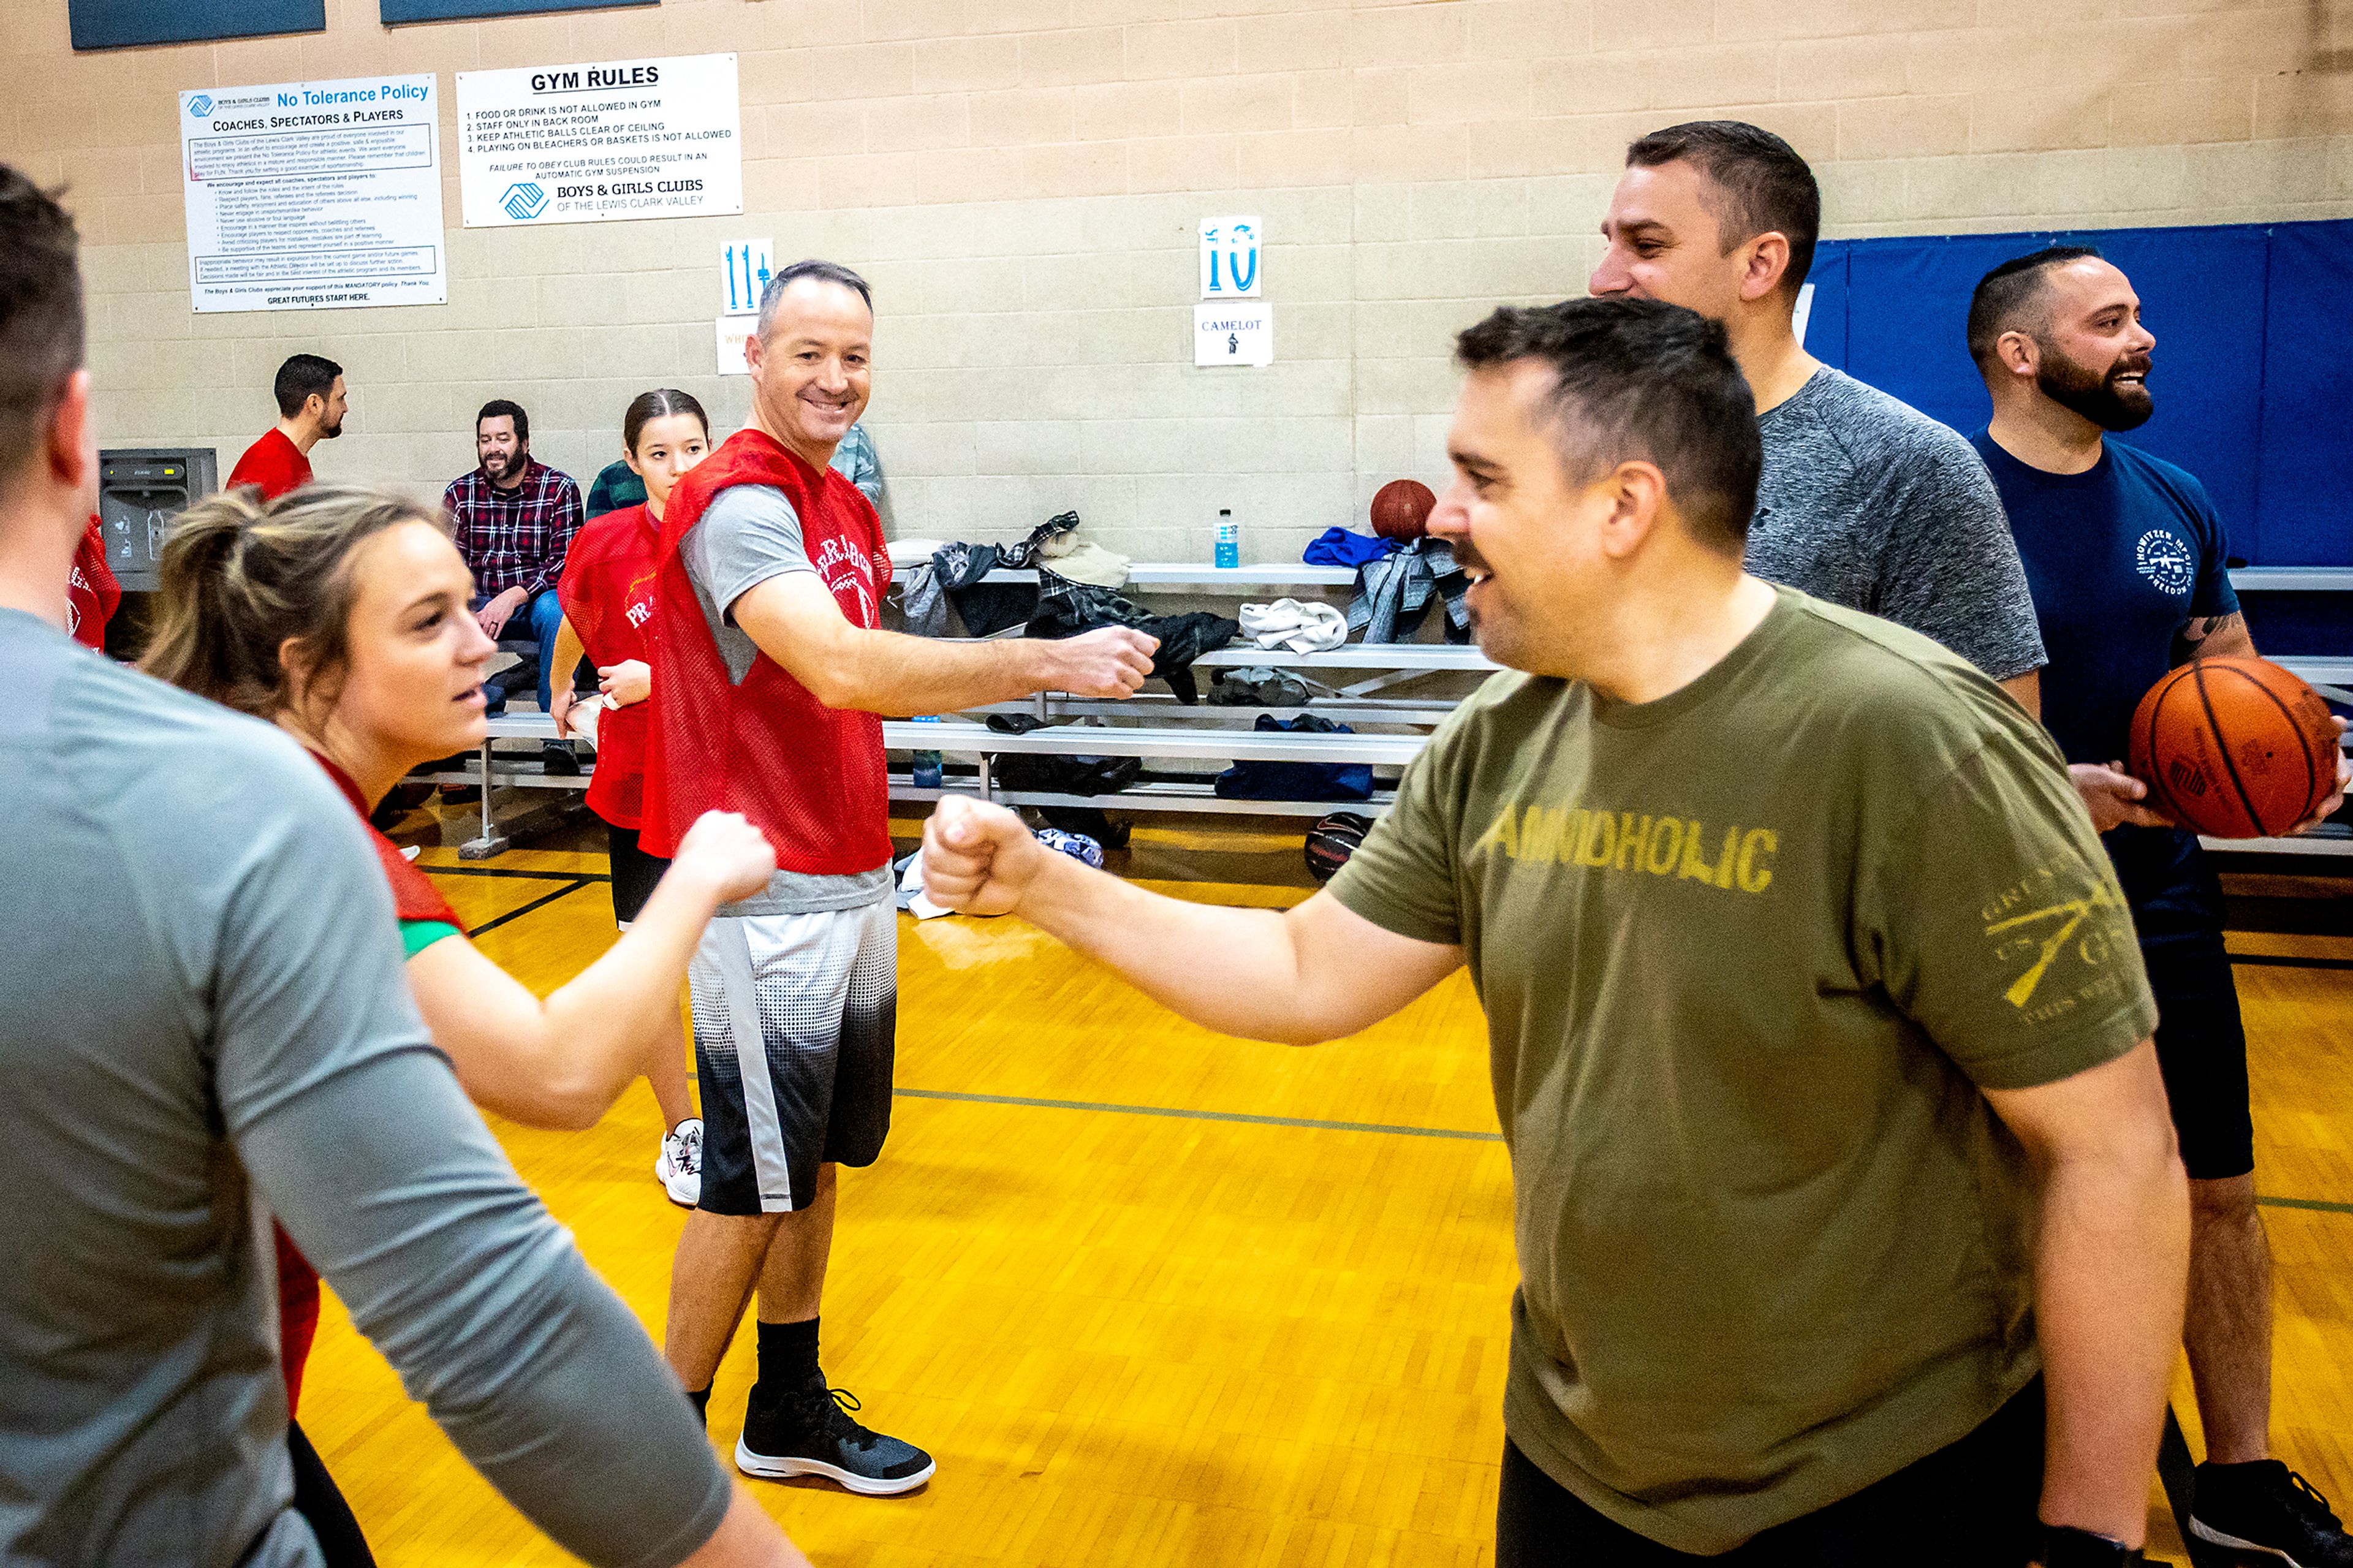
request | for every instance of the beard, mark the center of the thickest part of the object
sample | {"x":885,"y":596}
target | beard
{"x":2096,"y":395}
{"x":329,"y":432}
{"x":500,"y":464}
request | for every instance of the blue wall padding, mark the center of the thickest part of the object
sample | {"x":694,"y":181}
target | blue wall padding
{"x":2304,"y":469}
{"x":121,"y":24}
{"x":2250,"y":371}
{"x":1826,"y":335}
{"x":393,"y":11}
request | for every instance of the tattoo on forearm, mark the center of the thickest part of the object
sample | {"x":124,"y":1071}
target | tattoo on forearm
{"x":2200,"y":627}
{"x":2201,"y":630}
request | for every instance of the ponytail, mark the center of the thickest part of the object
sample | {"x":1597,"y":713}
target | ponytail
{"x":241,"y":577}
{"x":658,"y":404}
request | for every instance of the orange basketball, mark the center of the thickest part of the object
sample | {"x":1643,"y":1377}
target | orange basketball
{"x":2235,"y":747}
{"x":1401,"y":509}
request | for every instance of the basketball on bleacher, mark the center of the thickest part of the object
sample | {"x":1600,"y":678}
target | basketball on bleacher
{"x":1333,"y":839}
{"x":2235,"y":748}
{"x":1402,"y":509}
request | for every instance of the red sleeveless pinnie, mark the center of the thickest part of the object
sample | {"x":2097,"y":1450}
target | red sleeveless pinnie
{"x":607,"y":592}
{"x":810,"y":778}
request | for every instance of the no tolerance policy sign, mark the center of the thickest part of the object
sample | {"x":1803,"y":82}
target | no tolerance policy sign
{"x":592,"y":143}
{"x":314,"y":195}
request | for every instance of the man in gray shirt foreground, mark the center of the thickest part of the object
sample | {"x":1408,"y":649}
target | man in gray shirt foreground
{"x":1864,"y":501}
{"x":204,"y":1022}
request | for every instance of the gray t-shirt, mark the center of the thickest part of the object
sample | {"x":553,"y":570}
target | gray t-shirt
{"x":1870,"y":503}
{"x":204,"y":1021}
{"x":748,"y":534}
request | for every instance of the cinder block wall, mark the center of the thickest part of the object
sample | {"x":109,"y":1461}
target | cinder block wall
{"x":1021,"y":180}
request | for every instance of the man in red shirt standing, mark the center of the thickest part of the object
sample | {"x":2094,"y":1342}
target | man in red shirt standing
{"x":310,"y":400}
{"x":770,"y":673}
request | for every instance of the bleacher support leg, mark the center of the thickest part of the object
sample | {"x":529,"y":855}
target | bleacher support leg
{"x":491,"y":842}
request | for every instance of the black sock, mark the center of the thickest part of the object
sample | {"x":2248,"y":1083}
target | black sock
{"x":701,"y":1399}
{"x":789,"y":1357}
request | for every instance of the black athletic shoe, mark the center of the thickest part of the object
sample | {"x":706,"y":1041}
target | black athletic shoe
{"x":556,"y":758}
{"x":2265,"y":1507}
{"x":811,"y":1434}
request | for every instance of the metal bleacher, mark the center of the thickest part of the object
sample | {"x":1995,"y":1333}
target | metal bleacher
{"x":2331,"y":677}
{"x":1148,"y":737}
{"x":1355,"y":684}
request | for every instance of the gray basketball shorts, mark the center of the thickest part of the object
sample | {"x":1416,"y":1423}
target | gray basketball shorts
{"x":795,"y":1025}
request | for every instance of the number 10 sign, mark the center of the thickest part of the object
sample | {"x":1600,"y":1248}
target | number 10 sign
{"x":1230,"y":247}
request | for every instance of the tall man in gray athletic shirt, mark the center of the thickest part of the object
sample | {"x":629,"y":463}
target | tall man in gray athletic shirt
{"x":1864,"y":501}
{"x":204,"y":1021}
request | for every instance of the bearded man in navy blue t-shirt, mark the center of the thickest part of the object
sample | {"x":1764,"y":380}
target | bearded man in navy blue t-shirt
{"x":2125,"y":557}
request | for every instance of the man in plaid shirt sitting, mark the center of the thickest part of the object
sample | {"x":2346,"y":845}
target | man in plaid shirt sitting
{"x":515,"y":517}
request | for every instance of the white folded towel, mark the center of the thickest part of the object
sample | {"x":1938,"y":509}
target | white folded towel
{"x":586,"y":713}
{"x":1294,"y":625}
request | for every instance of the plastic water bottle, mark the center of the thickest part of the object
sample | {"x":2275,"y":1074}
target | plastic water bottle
{"x":1230,"y":541}
{"x":926,"y":773}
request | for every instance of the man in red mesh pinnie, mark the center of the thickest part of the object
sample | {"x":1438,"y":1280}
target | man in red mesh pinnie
{"x":770,"y":672}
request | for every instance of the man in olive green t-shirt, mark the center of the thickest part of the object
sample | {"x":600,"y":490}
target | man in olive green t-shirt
{"x":1820,"y":1038}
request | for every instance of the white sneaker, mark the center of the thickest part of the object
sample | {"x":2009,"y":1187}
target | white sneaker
{"x":680,"y":1167}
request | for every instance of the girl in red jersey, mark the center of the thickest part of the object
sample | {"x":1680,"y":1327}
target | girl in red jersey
{"x":339,"y":614}
{"x":606,"y":591}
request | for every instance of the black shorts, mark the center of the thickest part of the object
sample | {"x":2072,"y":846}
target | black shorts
{"x":796,"y":1021}
{"x":634,"y":872}
{"x":1970,"y":1504}
{"x":2202,"y":1045}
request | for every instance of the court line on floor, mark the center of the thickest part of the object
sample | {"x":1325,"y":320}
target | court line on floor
{"x":1314,"y":1124}
{"x":2322,"y":1204}
{"x":432,"y":870}
{"x":541,"y":902}
{"x":2290,"y":960}
{"x":1458,"y":1134}
{"x":1184,"y":1115}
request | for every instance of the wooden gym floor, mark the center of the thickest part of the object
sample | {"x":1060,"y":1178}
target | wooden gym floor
{"x":1154,"y":1296}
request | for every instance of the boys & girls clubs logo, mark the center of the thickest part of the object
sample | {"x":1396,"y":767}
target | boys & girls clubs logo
{"x":524,"y":201}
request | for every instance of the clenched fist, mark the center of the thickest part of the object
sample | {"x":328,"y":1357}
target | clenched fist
{"x":631,"y":680}
{"x":978,"y":859}
{"x":1112,"y":662}
{"x":726,"y":852}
